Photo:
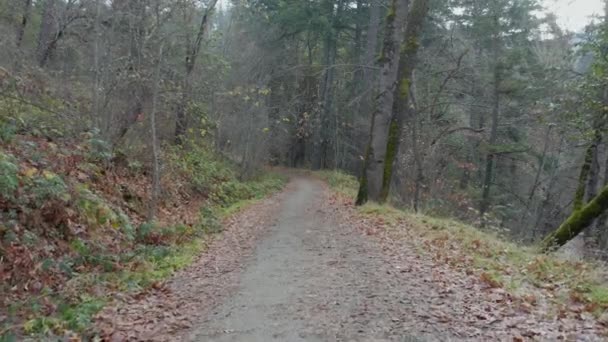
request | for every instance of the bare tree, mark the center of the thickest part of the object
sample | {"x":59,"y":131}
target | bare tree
{"x":192,"y":53}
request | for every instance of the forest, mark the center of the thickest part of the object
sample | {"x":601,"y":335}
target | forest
{"x":132,"y":132}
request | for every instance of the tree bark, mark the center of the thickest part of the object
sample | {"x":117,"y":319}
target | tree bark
{"x":583,"y":178}
{"x":589,"y":178}
{"x":372,"y":175}
{"x":401,"y":105}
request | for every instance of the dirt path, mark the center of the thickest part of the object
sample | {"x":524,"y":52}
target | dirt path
{"x":300,"y":266}
{"x":310,"y":281}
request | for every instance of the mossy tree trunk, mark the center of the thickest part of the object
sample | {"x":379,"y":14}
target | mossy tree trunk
{"x":372,"y":175}
{"x":401,"y":105}
{"x":577,"y":222}
{"x":600,"y":234}
{"x":583,"y":215}
{"x":586,"y":168}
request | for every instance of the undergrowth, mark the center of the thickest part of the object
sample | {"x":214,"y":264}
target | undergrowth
{"x":519,"y":269}
{"x":73,"y":231}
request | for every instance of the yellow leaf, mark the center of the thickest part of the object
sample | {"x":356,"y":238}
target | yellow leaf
{"x":48,"y":175}
{"x":30,"y":172}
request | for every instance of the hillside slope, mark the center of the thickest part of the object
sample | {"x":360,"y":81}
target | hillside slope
{"x":74,"y":226}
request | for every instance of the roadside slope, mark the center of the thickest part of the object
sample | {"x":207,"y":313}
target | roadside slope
{"x":474,"y":284}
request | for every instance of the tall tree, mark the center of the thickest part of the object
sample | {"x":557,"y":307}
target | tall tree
{"x":407,"y":64}
{"x":370,"y":187}
{"x":193,"y":49}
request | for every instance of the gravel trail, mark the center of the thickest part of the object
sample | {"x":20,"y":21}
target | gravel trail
{"x":303,"y":265}
{"x":309,"y":280}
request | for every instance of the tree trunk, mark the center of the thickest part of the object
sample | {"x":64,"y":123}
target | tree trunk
{"x":48,"y":29}
{"x":371,"y":47}
{"x":541,"y":164}
{"x":328,"y":141}
{"x":325,"y":147}
{"x":577,"y":222}
{"x":401,"y":105}
{"x":583,"y":178}
{"x":594,"y":170}
{"x":25,"y":17}
{"x":601,"y":236}
{"x":592,"y":183}
{"x":475,"y":120}
{"x":192,"y":52}
{"x":154,"y":138}
{"x":418,"y":158}
{"x":489,"y":169}
{"x":542,"y":208}
{"x":369,"y":82}
{"x":372,"y":175}
{"x":536,"y":183}
{"x":136,"y":90}
{"x":358,"y":55}
{"x":95,"y":115}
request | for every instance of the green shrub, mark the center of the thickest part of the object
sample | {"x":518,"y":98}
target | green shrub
{"x":99,"y":150}
{"x":204,"y":170}
{"x":98,"y":213}
{"x":232,"y":191}
{"x":9,"y":178}
{"x":49,"y":186}
{"x":80,"y":316}
{"x":145,"y":232}
{"x":209,"y":221}
{"x":7,"y":132}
